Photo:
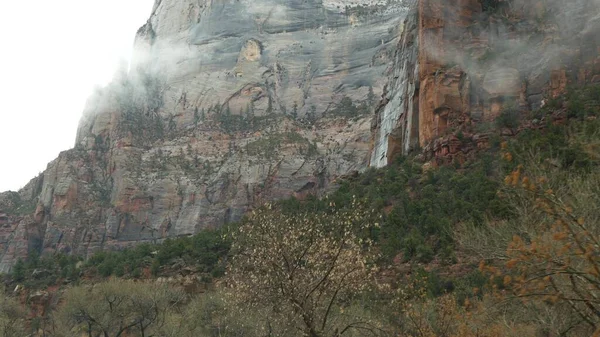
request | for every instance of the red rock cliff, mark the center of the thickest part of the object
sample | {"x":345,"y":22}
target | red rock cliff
{"x":475,"y":57}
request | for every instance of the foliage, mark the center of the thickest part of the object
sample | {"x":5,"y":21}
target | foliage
{"x":305,"y":268}
{"x":557,"y":259}
{"x":445,"y":317}
{"x":583,"y":102}
{"x":212,"y":315}
{"x":206,"y":251}
{"x":233,"y":123}
{"x":140,"y":98}
{"x":420,"y":208}
{"x":578,"y":103}
{"x":545,"y":258}
{"x":248,"y":122}
{"x":574,"y":146}
{"x":509,"y":117}
{"x":270,"y":144}
{"x":118,"y":308}
{"x":490,"y":5}
{"x":348,"y":109}
{"x":12,"y":323}
{"x":18,"y":206}
{"x":36,"y":272}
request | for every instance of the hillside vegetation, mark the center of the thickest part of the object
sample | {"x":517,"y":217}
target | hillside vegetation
{"x":506,"y":244}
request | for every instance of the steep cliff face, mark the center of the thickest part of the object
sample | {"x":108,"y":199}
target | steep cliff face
{"x":19,"y":232}
{"x":265,"y":55}
{"x":228,"y":104}
{"x":231,"y":103}
{"x":476,"y":58}
{"x":395,"y":126}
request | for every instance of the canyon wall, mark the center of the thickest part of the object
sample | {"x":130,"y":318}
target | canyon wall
{"x":232,"y":103}
{"x":227,"y":104}
{"x":476,"y":58}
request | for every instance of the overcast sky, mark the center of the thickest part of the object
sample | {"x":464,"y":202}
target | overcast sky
{"x":52,"y":54}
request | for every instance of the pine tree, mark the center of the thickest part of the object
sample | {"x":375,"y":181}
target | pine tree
{"x":295,"y":110}
{"x":196,"y":116}
{"x":270,"y":106}
{"x":371,"y":96}
{"x":18,"y":271}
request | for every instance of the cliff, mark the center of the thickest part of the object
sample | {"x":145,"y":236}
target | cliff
{"x":226,"y":105}
{"x":459,"y":64}
{"x":229,"y":104}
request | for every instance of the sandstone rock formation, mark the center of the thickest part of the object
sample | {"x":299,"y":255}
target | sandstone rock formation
{"x":228,"y":104}
{"x":465,"y":60}
{"x":231,"y":103}
{"x":395,"y":125}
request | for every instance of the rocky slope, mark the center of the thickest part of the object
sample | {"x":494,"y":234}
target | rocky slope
{"x":232,"y":103}
{"x":227,"y":104}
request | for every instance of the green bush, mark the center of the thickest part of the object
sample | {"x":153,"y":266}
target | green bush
{"x":348,"y":109}
{"x":36,"y":272}
{"x":422,"y":207}
{"x":206,"y":251}
{"x":509,"y":117}
{"x":269,"y":145}
{"x":557,"y":144}
{"x":582,"y":102}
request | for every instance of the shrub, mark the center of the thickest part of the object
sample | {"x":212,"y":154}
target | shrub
{"x":119,"y":307}
{"x":509,"y":117}
{"x":12,"y":317}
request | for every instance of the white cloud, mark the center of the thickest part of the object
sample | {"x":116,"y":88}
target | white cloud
{"x":52,"y":54}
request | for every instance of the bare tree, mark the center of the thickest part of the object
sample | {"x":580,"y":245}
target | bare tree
{"x":118,"y":307}
{"x":559,"y":260}
{"x":11,"y":317}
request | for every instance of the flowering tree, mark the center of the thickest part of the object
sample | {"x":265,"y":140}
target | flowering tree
{"x":307,"y":269}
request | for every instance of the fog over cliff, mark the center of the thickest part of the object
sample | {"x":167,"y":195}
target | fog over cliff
{"x":230,"y":104}
{"x":226,"y":105}
{"x":500,"y":41}
{"x":460,"y":64}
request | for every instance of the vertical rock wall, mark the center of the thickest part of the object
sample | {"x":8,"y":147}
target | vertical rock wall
{"x":231,"y":103}
{"x":475,"y":58}
{"x":395,"y":125}
{"x":228,"y":104}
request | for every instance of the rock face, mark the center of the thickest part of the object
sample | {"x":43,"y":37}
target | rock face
{"x":228,"y":104}
{"x":231,"y":103}
{"x":19,"y":232}
{"x":464,"y":61}
{"x":265,"y":55}
{"x":395,"y":126}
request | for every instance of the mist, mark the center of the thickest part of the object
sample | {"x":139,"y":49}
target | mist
{"x":54,"y":54}
{"x":521,"y":40}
